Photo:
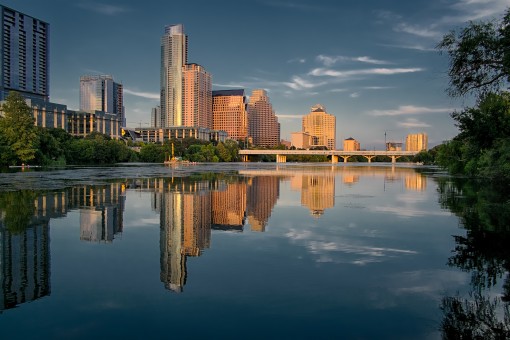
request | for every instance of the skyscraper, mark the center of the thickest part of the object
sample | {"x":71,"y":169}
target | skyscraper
{"x":174,"y":56}
{"x":197,"y":97}
{"x":229,"y":113}
{"x":156,"y":117}
{"x":263,"y":124}
{"x":24,"y":57}
{"x":321,"y":126}
{"x":101,"y":93}
{"x":416,"y":142}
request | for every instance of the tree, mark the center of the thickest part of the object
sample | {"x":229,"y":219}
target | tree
{"x":479,"y":57}
{"x":19,"y":134}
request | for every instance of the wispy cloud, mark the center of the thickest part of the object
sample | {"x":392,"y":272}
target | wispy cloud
{"x":378,"y":87}
{"x":417,"y":30}
{"x":281,"y":116}
{"x":319,"y":72}
{"x":295,"y":6}
{"x":332,"y":60}
{"x":338,"y":90}
{"x":100,"y":8}
{"x":413,"y":123}
{"x":147,"y":95}
{"x":408,"y":110}
{"x":417,"y":47}
{"x":230,"y":85}
{"x":297,"y":60}
{"x":299,"y":83}
{"x":354,"y":95}
{"x":469,"y":10}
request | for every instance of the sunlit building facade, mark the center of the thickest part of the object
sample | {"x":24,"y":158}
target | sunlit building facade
{"x":321,"y":126}
{"x":300,"y":140}
{"x":174,"y":56}
{"x":417,"y":142}
{"x":263,"y":125}
{"x":350,"y":144}
{"x":24,"y":55}
{"x":197,"y":102}
{"x":230,"y":113}
{"x":262,"y":195}
{"x":101,"y":93}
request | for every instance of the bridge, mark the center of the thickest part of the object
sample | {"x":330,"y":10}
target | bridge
{"x":281,"y":155}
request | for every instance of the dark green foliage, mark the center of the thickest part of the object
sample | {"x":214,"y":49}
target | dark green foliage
{"x":18,"y":207}
{"x":18,"y":141}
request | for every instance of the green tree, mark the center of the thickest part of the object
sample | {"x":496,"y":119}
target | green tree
{"x":479,"y":56}
{"x":223,"y":153}
{"x":17,"y":129}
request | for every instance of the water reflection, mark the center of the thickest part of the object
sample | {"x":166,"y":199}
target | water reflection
{"x":484,"y":212}
{"x":188,"y":207}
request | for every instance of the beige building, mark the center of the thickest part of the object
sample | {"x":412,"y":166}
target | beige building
{"x":263,"y":126}
{"x":417,"y":142}
{"x":350,"y":144}
{"x":300,"y":140}
{"x":229,"y":113}
{"x":197,"y":103}
{"x":321,"y":126}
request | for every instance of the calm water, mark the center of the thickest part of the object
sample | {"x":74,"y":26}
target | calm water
{"x":233,"y":251}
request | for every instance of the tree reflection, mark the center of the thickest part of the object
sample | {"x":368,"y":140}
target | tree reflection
{"x":484,"y":211}
{"x":17,"y":208}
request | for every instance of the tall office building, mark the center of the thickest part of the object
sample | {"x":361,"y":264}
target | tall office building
{"x":417,"y":142}
{"x":262,"y":121}
{"x":156,"y":117}
{"x":229,"y":113}
{"x":197,"y":97}
{"x":174,"y":56}
{"x":321,"y":126}
{"x":24,"y":56}
{"x":102,"y":93}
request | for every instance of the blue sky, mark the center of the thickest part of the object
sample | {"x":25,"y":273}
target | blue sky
{"x":370,"y":63}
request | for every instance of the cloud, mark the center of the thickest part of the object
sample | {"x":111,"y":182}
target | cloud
{"x":408,"y":110}
{"x":378,"y":87}
{"x":299,"y":83}
{"x":281,"y":116}
{"x":354,"y":95}
{"x":229,"y":85}
{"x":294,"y":6}
{"x":105,"y":9}
{"x":338,"y":90}
{"x":330,"y":61}
{"x":419,"y":31}
{"x":413,"y":123}
{"x":297,"y":60}
{"x":147,"y":95}
{"x":416,"y":47}
{"x":319,"y":72}
{"x":475,"y":10}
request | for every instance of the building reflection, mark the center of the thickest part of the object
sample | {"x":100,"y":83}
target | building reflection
{"x":317,"y":190}
{"x":415,"y":181}
{"x":262,"y":194}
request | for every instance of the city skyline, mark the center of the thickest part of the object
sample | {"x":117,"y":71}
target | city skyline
{"x":372,"y":64}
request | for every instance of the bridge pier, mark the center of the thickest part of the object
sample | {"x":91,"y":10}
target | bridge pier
{"x":334,"y":159}
{"x":394,"y":159}
{"x":345,"y":158}
{"x":369,"y":158}
{"x":244,"y":158}
{"x":281,"y":159}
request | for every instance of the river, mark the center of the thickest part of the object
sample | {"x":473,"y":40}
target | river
{"x":250,"y":250}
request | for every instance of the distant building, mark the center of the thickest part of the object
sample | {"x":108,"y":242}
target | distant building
{"x":350,"y":144}
{"x":393,"y":146}
{"x":417,"y":142}
{"x":262,"y":121}
{"x":300,"y":140}
{"x":102,"y":93}
{"x":321,"y":126}
{"x":24,"y":55}
{"x":174,"y":56}
{"x":156,"y":117}
{"x":285,"y":143}
{"x":197,"y":109}
{"x":160,"y":135}
{"x":230,"y":114}
{"x":83,"y":123}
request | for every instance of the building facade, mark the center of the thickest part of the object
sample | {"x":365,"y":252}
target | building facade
{"x":25,"y":55}
{"x":230,"y":113}
{"x":321,"y":126}
{"x":300,"y":140}
{"x":263,"y":126}
{"x":156,"y":117}
{"x":350,"y":144}
{"x":174,"y":56}
{"x":102,"y":93}
{"x":417,"y":142}
{"x":83,"y":123}
{"x":198,"y":107}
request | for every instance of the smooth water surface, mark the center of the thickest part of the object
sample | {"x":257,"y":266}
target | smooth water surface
{"x":240,"y":251}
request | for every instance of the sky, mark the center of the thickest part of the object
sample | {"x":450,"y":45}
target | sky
{"x":373,"y":63}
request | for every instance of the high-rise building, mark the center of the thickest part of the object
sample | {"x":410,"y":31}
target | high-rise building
{"x":102,"y":93}
{"x":350,"y":144}
{"x":263,"y":126}
{"x":24,"y":55}
{"x":174,"y":56}
{"x":321,"y":126}
{"x":417,"y":142}
{"x":156,"y":117}
{"x":229,"y":113}
{"x":197,"y":110}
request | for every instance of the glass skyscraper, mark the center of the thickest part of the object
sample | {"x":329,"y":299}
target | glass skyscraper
{"x":174,"y":56}
{"x":24,"y":55}
{"x":102,"y":93}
